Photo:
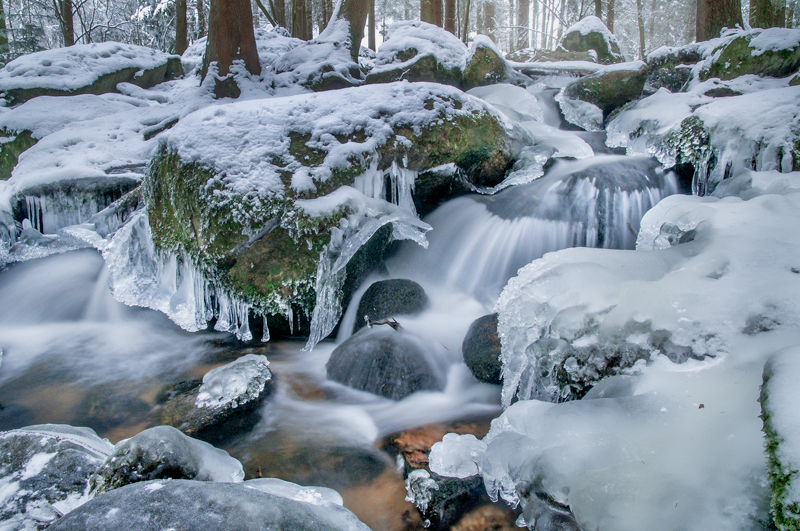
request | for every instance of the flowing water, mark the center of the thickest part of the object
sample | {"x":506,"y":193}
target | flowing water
{"x":74,"y":355}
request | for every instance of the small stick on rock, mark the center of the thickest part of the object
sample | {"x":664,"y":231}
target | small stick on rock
{"x":391,"y":322}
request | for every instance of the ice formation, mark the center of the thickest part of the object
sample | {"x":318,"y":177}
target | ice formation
{"x":285,"y":489}
{"x":233,"y":384}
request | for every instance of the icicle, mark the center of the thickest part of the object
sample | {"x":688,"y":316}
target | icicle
{"x":265,"y":335}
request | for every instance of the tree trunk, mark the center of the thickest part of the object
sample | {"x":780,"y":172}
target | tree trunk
{"x":535,"y":23}
{"x":431,"y":11}
{"x":790,"y":14}
{"x":465,"y":34}
{"x":230,"y":38}
{"x":180,"y":27}
{"x":598,"y":9}
{"x":563,"y":16}
{"x":201,"y":19}
{"x":450,"y":16}
{"x":67,"y":24}
{"x":713,"y":15}
{"x":355,"y":13}
{"x":640,"y":20}
{"x":767,"y":13}
{"x":523,"y":17}
{"x":301,"y":20}
{"x":371,"y":24}
{"x":3,"y":34}
{"x":279,"y":12}
{"x":488,"y":19}
{"x":610,"y":16}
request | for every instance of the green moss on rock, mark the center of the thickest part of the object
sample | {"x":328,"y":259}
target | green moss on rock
{"x":424,"y":68}
{"x":14,"y":143}
{"x":609,"y":90}
{"x":736,"y":59}
{"x":485,"y":67}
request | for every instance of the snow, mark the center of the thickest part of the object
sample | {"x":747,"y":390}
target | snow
{"x":427,"y":39}
{"x":581,"y":113}
{"x":236,"y":383}
{"x":514,"y":102}
{"x":591,"y":24}
{"x":774,"y":40}
{"x":77,"y":66}
{"x":284,"y":489}
{"x":482,"y":41}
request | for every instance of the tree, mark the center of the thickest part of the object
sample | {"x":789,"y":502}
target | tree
{"x":65,"y":15}
{"x":450,"y":16}
{"x":713,"y":15}
{"x":180,"y":27}
{"x":430,"y":11}
{"x":301,"y":20}
{"x":230,"y":38}
{"x":523,"y":13}
{"x":767,"y":13}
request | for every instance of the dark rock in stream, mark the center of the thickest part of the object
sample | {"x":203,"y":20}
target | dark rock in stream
{"x":164,"y":453}
{"x":105,"y":408}
{"x":388,"y":298}
{"x":183,"y":504}
{"x":481,"y":350}
{"x":221,"y":407}
{"x":386,"y":362}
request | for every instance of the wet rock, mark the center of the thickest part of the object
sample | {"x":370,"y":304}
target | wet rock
{"x":176,"y":504}
{"x":747,"y":55}
{"x":591,"y":34}
{"x":481,"y":350}
{"x":86,"y":69}
{"x":45,"y":471}
{"x":485,"y":64}
{"x":488,"y":518}
{"x":386,"y":362}
{"x":442,"y":501}
{"x":418,"y":51}
{"x":224,"y":405}
{"x":389,"y":298}
{"x":611,"y":87}
{"x":163,"y":452}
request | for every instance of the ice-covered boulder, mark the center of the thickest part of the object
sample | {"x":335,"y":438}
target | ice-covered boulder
{"x":387,"y":362}
{"x":256,"y":190}
{"x":389,"y":298}
{"x":45,"y":471}
{"x":770,"y":52}
{"x":779,"y":398}
{"x":156,"y":505}
{"x":94,"y":68}
{"x":591,"y":34}
{"x":419,"y":51}
{"x":163,"y":452}
{"x":222,"y":406}
{"x":481,"y":349}
{"x":610,"y":88}
{"x":485,"y":64}
{"x":443,"y":500}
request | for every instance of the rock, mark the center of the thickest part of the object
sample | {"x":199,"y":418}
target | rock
{"x":441,"y":500}
{"x":15,"y":142}
{"x":488,"y":518}
{"x":320,"y":65}
{"x":45,"y":471}
{"x":418,"y":51}
{"x":610,"y":88}
{"x":591,"y":34}
{"x":388,"y":298}
{"x":532,"y":55}
{"x":755,"y":52}
{"x":249,"y":229}
{"x":85,"y":69}
{"x":670,"y":68}
{"x":481,"y":350}
{"x":386,"y":362}
{"x":182,"y":504}
{"x":224,"y":405}
{"x":778,"y":399}
{"x":163,"y":452}
{"x":485,"y":64}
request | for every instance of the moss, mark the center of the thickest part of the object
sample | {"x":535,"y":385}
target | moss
{"x":736,"y":59}
{"x":608,"y":90}
{"x":12,"y":149}
{"x":425,"y":68}
{"x":484,"y":68}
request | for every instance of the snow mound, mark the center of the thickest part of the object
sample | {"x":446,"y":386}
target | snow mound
{"x":285,"y":489}
{"x":426,"y":39}
{"x":77,"y":66}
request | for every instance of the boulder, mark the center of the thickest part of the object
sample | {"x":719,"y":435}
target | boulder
{"x":771,"y":52}
{"x":45,"y":471}
{"x":320,"y":65}
{"x":94,"y":68}
{"x":419,"y":51}
{"x":671,"y":68}
{"x":182,"y":504}
{"x":163,"y":452}
{"x":14,"y":143}
{"x":591,"y":34}
{"x":779,"y":396}
{"x":537,"y":55}
{"x":485,"y":64}
{"x":488,"y":517}
{"x":610,"y":88}
{"x":442,"y":500}
{"x":224,"y":405}
{"x":481,"y":350}
{"x":251,"y":210}
{"x":388,"y":298}
{"x":386,"y":362}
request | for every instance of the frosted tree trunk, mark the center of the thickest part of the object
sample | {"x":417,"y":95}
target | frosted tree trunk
{"x":230,"y":38}
{"x":598,"y":9}
{"x":523,"y":15}
{"x":65,"y":18}
{"x":355,"y":13}
{"x":430,"y":11}
{"x":180,"y":27}
{"x":610,"y":16}
{"x":371,"y":24}
{"x":450,"y":16}
{"x":201,"y":19}
{"x":489,"y":19}
{"x":767,"y":13}
{"x":535,"y":27}
{"x":713,"y":15}
{"x":640,"y":20}
{"x":3,"y":33}
{"x":279,"y":12}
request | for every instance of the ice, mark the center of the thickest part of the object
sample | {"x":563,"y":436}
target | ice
{"x":515,"y":102}
{"x":233,"y":384}
{"x":581,"y":113}
{"x":285,"y":489}
{"x":395,"y":185}
{"x":418,"y":485}
{"x":77,"y":66}
{"x":566,"y":143}
{"x":367,"y":216}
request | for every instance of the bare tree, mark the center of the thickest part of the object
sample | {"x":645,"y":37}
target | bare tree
{"x":230,"y":38}
{"x":180,"y":27}
{"x":767,"y":13}
{"x":450,"y":16}
{"x":713,"y":15}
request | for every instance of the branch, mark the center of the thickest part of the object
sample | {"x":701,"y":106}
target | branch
{"x":266,"y":14}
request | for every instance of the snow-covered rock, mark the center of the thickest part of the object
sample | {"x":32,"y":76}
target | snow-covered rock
{"x":174,"y":504}
{"x":610,"y":88}
{"x":45,"y":471}
{"x":591,"y":34}
{"x":765,"y":52}
{"x":485,"y":64}
{"x":94,"y":68}
{"x":163,"y":452}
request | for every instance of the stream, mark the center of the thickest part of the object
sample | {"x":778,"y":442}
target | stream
{"x":74,"y":355}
